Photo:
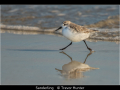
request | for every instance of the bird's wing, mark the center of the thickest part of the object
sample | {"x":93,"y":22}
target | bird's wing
{"x":81,"y":29}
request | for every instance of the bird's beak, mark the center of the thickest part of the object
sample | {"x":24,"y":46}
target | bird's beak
{"x":58,"y":28}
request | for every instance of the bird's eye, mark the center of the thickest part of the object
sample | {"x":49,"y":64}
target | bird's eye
{"x":65,"y":24}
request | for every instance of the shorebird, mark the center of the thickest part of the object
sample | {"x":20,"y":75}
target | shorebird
{"x":75,"y":33}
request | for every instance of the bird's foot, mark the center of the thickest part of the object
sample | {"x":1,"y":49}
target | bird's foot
{"x":62,"y":49}
{"x":91,"y":50}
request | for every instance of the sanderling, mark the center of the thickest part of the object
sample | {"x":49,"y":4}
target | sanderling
{"x":75,"y":33}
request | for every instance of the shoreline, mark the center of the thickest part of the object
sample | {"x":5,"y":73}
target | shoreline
{"x":103,"y":34}
{"x":26,"y":32}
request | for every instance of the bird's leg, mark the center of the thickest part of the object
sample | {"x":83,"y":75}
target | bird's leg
{"x":87,"y":46}
{"x":66,"y":46}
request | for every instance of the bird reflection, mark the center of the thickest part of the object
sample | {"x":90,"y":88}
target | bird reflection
{"x":74,"y":69}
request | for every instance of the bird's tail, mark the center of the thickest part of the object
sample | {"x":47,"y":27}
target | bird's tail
{"x":95,"y":31}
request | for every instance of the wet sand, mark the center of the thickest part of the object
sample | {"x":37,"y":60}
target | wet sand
{"x":32,"y":59}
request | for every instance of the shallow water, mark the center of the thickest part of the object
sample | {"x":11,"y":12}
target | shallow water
{"x":104,"y":18}
{"x":32,"y":59}
{"x":51,"y":16}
